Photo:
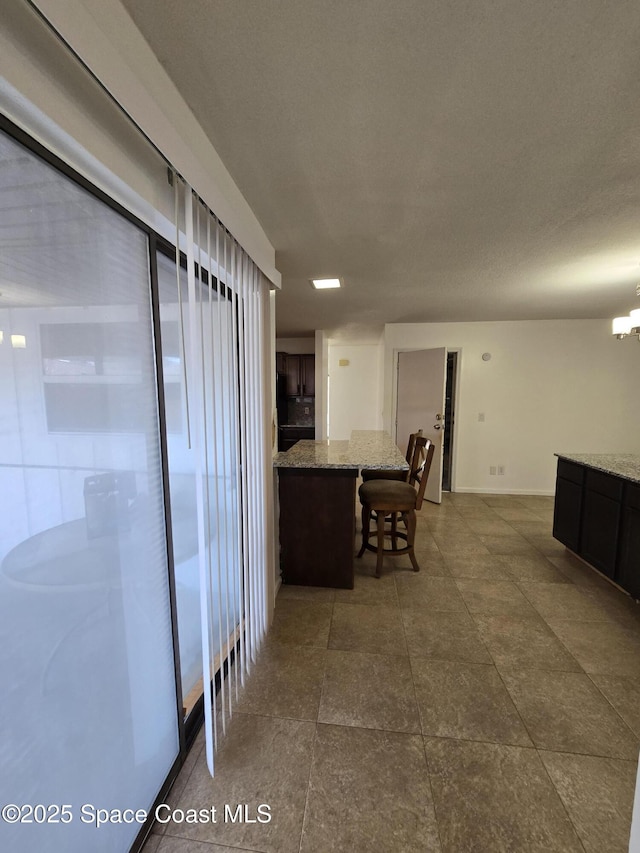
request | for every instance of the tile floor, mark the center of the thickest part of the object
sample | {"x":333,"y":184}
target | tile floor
{"x":489,"y":703}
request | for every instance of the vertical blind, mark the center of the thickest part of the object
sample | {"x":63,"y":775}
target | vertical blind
{"x":222,"y":329}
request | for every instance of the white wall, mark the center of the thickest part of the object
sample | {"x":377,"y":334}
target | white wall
{"x":44,"y":89}
{"x":551,"y":385}
{"x":355,"y":400}
{"x":295,"y":346}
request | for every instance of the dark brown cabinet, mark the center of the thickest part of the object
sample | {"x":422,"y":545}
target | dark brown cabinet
{"x":568,"y":504}
{"x":628,"y":575}
{"x":601,"y":521}
{"x":317,"y":526}
{"x":597,"y":515}
{"x":301,"y":375}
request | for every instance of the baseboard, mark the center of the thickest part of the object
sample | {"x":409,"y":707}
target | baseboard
{"x":474,"y":491}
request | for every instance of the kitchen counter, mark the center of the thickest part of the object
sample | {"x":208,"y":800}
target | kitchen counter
{"x":317,"y":490}
{"x":597,"y":513}
{"x":625,"y":465}
{"x":371,"y":449}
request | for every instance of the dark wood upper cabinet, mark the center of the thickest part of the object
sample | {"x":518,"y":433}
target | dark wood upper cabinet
{"x":308,"y":375}
{"x":301,"y":375}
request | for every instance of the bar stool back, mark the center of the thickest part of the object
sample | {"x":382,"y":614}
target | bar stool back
{"x":372,"y":474}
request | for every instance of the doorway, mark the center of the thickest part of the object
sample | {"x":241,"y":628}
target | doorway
{"x":449,"y":419}
{"x":425,"y":399}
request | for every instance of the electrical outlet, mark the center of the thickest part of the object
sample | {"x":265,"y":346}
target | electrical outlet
{"x":492,"y":469}
{"x":481,"y":417}
{"x":501,"y":470}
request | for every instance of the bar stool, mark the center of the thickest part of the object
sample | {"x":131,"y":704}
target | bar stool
{"x":393,"y":498}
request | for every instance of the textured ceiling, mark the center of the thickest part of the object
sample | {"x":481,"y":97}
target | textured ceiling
{"x":451,"y":160}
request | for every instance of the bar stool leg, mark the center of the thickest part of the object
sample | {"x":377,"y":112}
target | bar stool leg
{"x":394,"y":531}
{"x":411,"y":534}
{"x":380,"y":543}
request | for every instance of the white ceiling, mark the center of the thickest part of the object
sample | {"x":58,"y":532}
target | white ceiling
{"x":450,"y":159}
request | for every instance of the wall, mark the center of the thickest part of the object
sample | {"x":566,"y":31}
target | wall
{"x":551,"y":385}
{"x":295,"y":346}
{"x":355,"y":400}
{"x":45,"y":90}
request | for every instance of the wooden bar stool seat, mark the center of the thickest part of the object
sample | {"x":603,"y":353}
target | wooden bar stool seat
{"x":395,"y":500}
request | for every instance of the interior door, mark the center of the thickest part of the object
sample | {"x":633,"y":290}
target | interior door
{"x":422,"y":377}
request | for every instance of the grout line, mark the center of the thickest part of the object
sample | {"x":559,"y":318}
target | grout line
{"x":306,"y":799}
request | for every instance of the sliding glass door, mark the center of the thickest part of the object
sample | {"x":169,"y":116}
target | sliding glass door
{"x":86,"y":646}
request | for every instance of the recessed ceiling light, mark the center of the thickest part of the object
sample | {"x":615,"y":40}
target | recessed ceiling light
{"x":325,"y":283}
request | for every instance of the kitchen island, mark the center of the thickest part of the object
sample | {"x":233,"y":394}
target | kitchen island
{"x":597,"y":513}
{"x":317,"y":492}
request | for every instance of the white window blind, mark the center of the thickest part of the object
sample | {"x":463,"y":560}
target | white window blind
{"x":223,"y":325}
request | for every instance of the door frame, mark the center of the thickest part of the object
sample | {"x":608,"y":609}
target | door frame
{"x":394,"y":399}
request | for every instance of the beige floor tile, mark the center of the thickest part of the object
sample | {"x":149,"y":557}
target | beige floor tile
{"x":369,"y":791}
{"x":314,"y":594}
{"x":601,"y":647}
{"x":376,"y":629}
{"x":285,"y":682}
{"x":492,"y":798}
{"x":424,"y":540}
{"x":511,"y":544}
{"x":261,"y":760}
{"x":562,"y":601}
{"x":368,"y":589}
{"x":532,"y":568}
{"x":502,"y":501}
{"x":516,"y":642}
{"x":300,"y":623}
{"x":547,"y":545}
{"x":467,"y":701}
{"x":431,"y":563}
{"x":185,"y":845}
{"x":490,"y":526}
{"x":369,"y":691}
{"x":152,"y":843}
{"x":576,"y":571}
{"x":444,"y":635}
{"x":565,"y":712}
{"x":532,"y":529}
{"x":465,"y":543}
{"x":425,"y":593}
{"x":620,"y":606}
{"x":624,"y":694}
{"x":485,"y":566}
{"x":498,"y":597}
{"x":598,"y":795}
{"x":516,"y":513}
{"x":479,"y":511}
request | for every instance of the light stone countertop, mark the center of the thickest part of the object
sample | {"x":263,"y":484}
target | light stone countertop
{"x":372,"y":449}
{"x":625,"y":465}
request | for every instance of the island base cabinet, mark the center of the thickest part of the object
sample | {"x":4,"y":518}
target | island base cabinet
{"x":567,"y":513}
{"x":317,"y":526}
{"x":600,"y":527}
{"x":628,"y":573}
{"x":597,"y":516}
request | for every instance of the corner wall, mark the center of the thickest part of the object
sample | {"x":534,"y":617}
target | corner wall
{"x":550,"y":385}
{"x":355,"y":385}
